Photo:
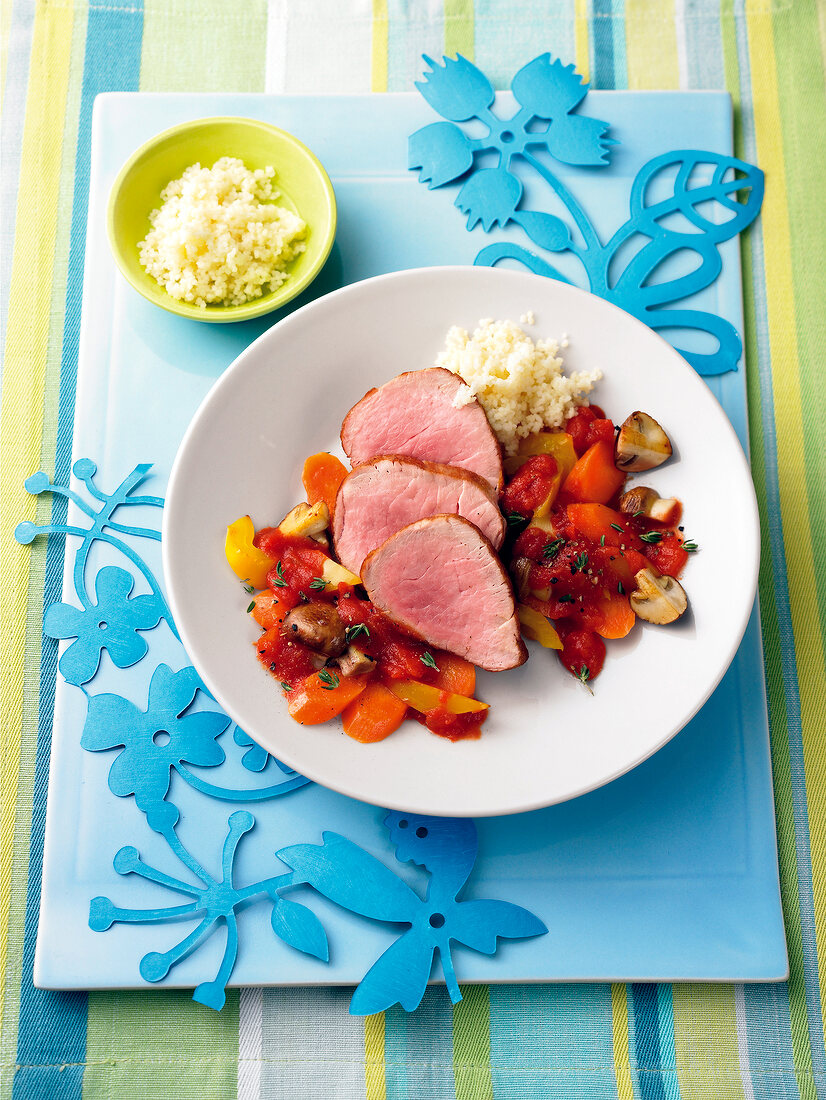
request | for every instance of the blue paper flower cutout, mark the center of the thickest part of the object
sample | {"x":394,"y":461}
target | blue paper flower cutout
{"x":215,"y":901}
{"x":111,"y":623}
{"x":546,"y":90}
{"x":352,"y":878}
{"x":154,"y":741}
{"x":255,"y":759}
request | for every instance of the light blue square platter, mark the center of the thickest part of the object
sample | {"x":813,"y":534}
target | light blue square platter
{"x":669,"y":873}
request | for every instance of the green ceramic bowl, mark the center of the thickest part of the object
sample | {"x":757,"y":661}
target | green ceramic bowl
{"x":301,"y":180}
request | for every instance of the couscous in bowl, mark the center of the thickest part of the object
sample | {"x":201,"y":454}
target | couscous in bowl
{"x":301,"y":182}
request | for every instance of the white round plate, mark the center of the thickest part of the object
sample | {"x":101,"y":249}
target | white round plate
{"x":547,"y":738}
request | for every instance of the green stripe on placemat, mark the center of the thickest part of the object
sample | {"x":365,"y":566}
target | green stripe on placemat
{"x":471,"y":1044}
{"x":201,"y":46}
{"x":160,"y":1045}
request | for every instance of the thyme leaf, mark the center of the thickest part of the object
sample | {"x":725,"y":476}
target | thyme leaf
{"x":551,"y":549}
{"x":279,"y":581}
{"x":329,"y":680}
{"x":427,"y":659}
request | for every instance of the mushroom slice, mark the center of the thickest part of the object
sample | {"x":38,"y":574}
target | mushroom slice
{"x":657,"y":599}
{"x":309,"y":520}
{"x":641,"y":444}
{"x":648,"y":502}
{"x":318,"y":626}
{"x":521,"y":571}
{"x":353,"y":663}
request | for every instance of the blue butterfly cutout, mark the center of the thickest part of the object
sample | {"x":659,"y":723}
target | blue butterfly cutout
{"x":357,"y":881}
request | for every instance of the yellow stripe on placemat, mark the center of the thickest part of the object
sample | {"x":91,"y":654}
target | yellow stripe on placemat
{"x":375,"y":1083}
{"x":705,"y":1042}
{"x":378,"y":68}
{"x":619,"y":1027}
{"x":651,"y":45}
{"x":794,"y":502}
{"x":459,"y":28}
{"x":581,"y":38}
{"x":21,"y":426}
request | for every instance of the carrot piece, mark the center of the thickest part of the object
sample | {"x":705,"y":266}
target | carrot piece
{"x":455,"y":674}
{"x":613,"y":616}
{"x":315,"y":701}
{"x":322,"y":476}
{"x":595,"y":520}
{"x":373,"y":715}
{"x":595,"y":478}
{"x":270,"y":609}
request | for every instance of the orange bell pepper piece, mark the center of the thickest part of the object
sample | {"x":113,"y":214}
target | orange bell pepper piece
{"x":595,"y":478}
{"x":317,"y":700}
{"x":322,"y":476}
{"x":374,"y":714}
{"x":246,"y":561}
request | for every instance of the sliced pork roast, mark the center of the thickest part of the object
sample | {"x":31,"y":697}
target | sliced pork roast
{"x":440,"y":580}
{"x":414,"y":415}
{"x":380,"y":497}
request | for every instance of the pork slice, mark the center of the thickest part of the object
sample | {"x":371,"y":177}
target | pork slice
{"x":440,"y":580}
{"x":380,"y":497}
{"x":414,"y":415}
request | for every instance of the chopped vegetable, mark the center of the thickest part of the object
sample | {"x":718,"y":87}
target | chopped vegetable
{"x":374,"y":714}
{"x":353,"y":662}
{"x":334,"y":574}
{"x":270,"y":609}
{"x":456,"y":675}
{"x":307,"y":521}
{"x":595,"y":478}
{"x":559,"y":445}
{"x":641,"y":444}
{"x":246,"y":561}
{"x":322,"y":476}
{"x":598,"y":522}
{"x":316,"y":700}
{"x":318,"y":626}
{"x":425,"y":697}
{"x":536,"y":627}
{"x":612,"y":616}
{"x":642,"y":501}
{"x":658,"y":600}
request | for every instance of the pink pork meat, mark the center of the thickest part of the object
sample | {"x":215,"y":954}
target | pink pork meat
{"x":380,"y":497}
{"x":414,"y":415}
{"x":440,"y":580}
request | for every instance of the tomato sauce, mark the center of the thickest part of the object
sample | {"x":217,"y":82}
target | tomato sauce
{"x":581,"y":569}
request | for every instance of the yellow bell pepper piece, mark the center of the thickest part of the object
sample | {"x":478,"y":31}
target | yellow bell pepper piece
{"x":335,"y":574}
{"x":246,"y":561}
{"x":544,"y":508}
{"x":425,"y":697}
{"x":557,"y":444}
{"x":536,"y":627}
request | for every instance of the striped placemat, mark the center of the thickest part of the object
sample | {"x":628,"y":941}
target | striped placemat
{"x":522,"y":1041}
